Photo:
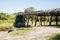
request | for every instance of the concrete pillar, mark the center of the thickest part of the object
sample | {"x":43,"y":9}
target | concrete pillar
{"x":41,"y":20}
{"x":50,"y":20}
{"x":36,"y":20}
{"x":56,"y":20}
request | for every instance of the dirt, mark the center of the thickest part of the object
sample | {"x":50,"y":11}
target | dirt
{"x":38,"y":33}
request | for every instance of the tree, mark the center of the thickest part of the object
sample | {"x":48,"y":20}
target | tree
{"x":29,"y":9}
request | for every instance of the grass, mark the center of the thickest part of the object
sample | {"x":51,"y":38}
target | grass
{"x":21,"y":31}
{"x":54,"y":37}
{"x":6,"y":21}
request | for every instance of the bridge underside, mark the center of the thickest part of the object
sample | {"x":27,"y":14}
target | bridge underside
{"x":53,"y":18}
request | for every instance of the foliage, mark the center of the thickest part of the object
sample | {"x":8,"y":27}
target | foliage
{"x":7,"y":18}
{"x":29,"y":9}
{"x":4,"y":16}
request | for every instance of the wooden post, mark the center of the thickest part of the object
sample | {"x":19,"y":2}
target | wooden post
{"x":50,"y":20}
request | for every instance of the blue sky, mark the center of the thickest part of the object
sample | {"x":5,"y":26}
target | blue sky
{"x":12,"y":6}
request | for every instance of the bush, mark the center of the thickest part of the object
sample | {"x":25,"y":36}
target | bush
{"x":4,"y":16}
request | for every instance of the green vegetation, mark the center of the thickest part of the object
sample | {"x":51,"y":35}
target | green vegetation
{"x":29,"y":9}
{"x":7,"y":18}
{"x":54,"y":37}
{"x":6,"y":21}
{"x":4,"y":16}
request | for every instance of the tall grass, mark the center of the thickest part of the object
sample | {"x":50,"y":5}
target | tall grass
{"x":6,"y":21}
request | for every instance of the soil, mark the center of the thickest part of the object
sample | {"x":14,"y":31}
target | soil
{"x":38,"y":33}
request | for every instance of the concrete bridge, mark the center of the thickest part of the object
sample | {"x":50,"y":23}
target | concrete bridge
{"x":38,"y":16}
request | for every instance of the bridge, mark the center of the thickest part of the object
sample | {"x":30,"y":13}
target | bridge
{"x":38,"y":16}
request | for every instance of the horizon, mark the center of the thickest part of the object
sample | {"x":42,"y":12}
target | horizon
{"x":13,"y":6}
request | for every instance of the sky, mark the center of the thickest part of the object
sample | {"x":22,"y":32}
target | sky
{"x":12,"y":6}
